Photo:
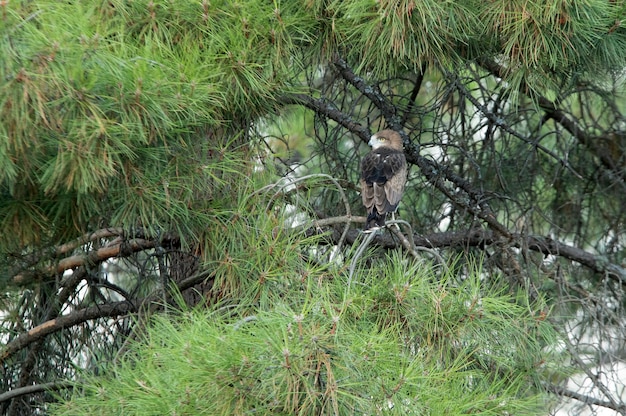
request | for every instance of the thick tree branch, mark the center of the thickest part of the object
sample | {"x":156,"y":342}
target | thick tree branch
{"x":65,"y":321}
{"x":373,"y":93}
{"x":120,"y":249}
{"x":481,"y":238}
{"x":328,"y":110}
{"x":89,"y":237}
{"x":106,"y":310}
{"x":121,"y":246}
{"x":36,"y":388}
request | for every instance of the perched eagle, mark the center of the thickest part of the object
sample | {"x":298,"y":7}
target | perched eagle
{"x":383,"y":175}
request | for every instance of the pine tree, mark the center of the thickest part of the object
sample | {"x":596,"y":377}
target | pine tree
{"x":203,"y":157}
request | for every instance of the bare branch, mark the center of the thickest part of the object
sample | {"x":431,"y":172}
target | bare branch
{"x":613,"y":401}
{"x":36,"y":388}
{"x":500,"y":123}
{"x":561,"y":391}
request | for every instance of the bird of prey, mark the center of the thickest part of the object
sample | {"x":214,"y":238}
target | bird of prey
{"x":383,"y":176}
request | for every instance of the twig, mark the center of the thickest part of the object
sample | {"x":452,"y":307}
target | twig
{"x":559,"y":116}
{"x":409,"y":244}
{"x":561,"y":391}
{"x":242,"y":321}
{"x":417,"y":86}
{"x":499,"y":122}
{"x":357,"y":255}
{"x":594,"y":379}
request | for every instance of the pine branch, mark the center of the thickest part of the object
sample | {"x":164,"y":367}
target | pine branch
{"x":481,"y":238}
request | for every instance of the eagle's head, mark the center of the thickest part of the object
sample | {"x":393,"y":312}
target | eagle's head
{"x":388,"y":138}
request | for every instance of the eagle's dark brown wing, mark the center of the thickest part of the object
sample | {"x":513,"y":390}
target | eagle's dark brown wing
{"x":383,"y":176}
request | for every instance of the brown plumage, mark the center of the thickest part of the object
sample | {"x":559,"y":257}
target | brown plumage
{"x":383,"y":176}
